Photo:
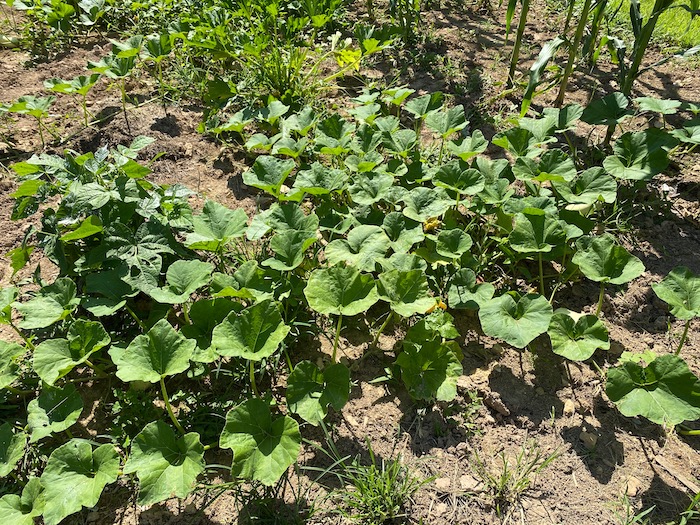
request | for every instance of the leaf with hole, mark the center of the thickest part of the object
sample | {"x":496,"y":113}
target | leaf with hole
{"x":263,"y":447}
{"x":576,"y":336}
{"x":601,"y":260}
{"x":55,"y":358}
{"x":255,"y":333}
{"x":55,"y":410}
{"x":516,"y":319}
{"x":158,"y":353}
{"x":680,"y":289}
{"x":665,"y":392}
{"x":311,"y":391}
{"x":75,"y":476}
{"x":167,"y":465}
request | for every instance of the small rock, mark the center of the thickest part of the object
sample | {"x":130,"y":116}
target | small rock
{"x":188,"y":149}
{"x":634,"y":487}
{"x":470,"y":484}
{"x":352,"y":420}
{"x":588,"y":439}
{"x":440,"y":509}
{"x":569,"y":407}
{"x":443,"y":484}
{"x":494,"y":402}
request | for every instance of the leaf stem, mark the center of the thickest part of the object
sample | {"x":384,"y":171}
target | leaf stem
{"x":684,"y":431}
{"x":18,"y":392}
{"x":683,"y":337}
{"x":381,"y":329}
{"x":100,"y":372}
{"x":253,"y":384}
{"x":600,"y":298}
{"x":539,"y":260}
{"x":337,"y":336}
{"x":29,"y":344}
{"x":136,"y":318}
{"x":169,"y":408}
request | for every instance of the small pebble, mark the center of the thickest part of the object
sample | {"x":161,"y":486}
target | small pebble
{"x":443,"y":484}
{"x":588,"y":439}
{"x":569,"y":407}
{"x":634,"y":487}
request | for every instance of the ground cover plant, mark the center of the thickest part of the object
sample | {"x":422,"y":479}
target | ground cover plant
{"x":218,"y":348}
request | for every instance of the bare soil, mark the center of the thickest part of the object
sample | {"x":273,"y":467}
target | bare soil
{"x":601,"y":456}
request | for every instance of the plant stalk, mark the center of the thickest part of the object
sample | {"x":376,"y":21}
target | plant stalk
{"x":518,"y":41}
{"x":683,"y":431}
{"x":169,"y":408}
{"x":683,"y":337}
{"x":539,"y":260}
{"x":337,"y":336}
{"x":573,"y":50}
{"x":381,"y":329}
{"x":253,"y":384}
{"x":600,"y":299}
{"x":26,"y":340}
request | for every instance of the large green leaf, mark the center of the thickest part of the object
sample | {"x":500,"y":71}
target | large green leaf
{"x":53,"y":303}
{"x":424,"y":203}
{"x":421,"y":106}
{"x":465,"y":293}
{"x":111,"y":291}
{"x":206,"y":315}
{"x":7,"y":297}
{"x":534,"y":231}
{"x":609,"y":110}
{"x":310,"y":391}
{"x":9,"y":367}
{"x":340,"y":291}
{"x":159,"y":353}
{"x":280,"y":218}
{"x":402,"y":231}
{"x":457,"y":176}
{"x":55,"y":358}
{"x":254,"y":334}
{"x":75,"y":476}
{"x":576,"y":336}
{"x":167,"y":465}
{"x":446,"y":121}
{"x":680,"y":289}
{"x":590,"y":186}
{"x":406,"y":291}
{"x":21,"y":510}
{"x":215,"y":227}
{"x":453,"y":243}
{"x":516,"y":320}
{"x":430,"y":370}
{"x":601,"y":260}
{"x":639,"y":155}
{"x":554,"y":165}
{"x":11,"y":448}
{"x":368,"y":188}
{"x":467,"y":147}
{"x":364,"y":246}
{"x":290,"y":247}
{"x":665,"y":392}
{"x":55,"y":410}
{"x":263,"y":447}
{"x":518,"y":141}
{"x":269,"y":173}
{"x":183,"y":279}
{"x":320,"y":180}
